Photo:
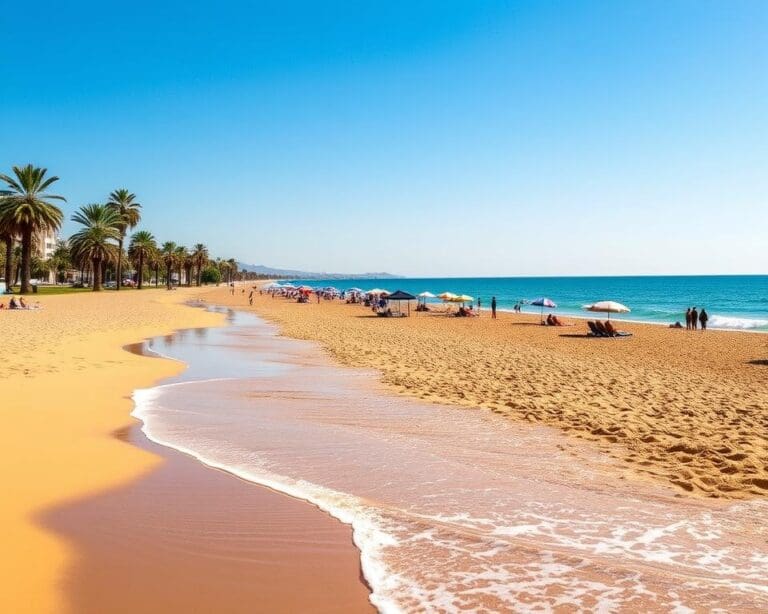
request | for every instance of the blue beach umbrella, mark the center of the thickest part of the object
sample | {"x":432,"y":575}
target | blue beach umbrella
{"x":544,"y":302}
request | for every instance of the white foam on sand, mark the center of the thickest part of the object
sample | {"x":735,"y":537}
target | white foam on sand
{"x":456,"y":510}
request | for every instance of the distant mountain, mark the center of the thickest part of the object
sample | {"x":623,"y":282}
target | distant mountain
{"x":265,"y":270}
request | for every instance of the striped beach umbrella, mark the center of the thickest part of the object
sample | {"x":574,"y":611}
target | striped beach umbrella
{"x":544,"y":302}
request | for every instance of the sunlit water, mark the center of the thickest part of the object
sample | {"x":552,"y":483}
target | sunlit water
{"x":452,"y":509}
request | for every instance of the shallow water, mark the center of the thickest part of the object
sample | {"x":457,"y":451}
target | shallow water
{"x":452,"y":509}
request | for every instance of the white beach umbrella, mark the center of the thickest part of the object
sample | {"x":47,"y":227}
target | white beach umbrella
{"x":447,"y":296}
{"x":426,"y":295}
{"x":608,"y":307}
{"x":378,"y":291}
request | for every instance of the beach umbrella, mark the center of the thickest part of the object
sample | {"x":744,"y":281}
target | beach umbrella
{"x":462,"y":298}
{"x":608,"y":307}
{"x":426,"y":295}
{"x":446,"y":296}
{"x":544,"y":302}
{"x":377,"y":291}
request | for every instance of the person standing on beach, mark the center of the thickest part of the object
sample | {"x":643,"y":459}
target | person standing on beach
{"x":694,"y":319}
{"x":493,"y":308}
{"x":479,"y":305}
{"x":703,"y":317}
{"x":250,"y":298}
{"x":688,"y":319}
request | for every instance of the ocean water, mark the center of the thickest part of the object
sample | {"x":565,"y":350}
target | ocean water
{"x":732,"y":301}
{"x":453,"y":510}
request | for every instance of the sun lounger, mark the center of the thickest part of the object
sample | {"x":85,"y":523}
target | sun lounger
{"x":595,"y":331}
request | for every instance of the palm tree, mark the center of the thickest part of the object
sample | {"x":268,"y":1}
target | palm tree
{"x":232,"y":269}
{"x":181,"y":256}
{"x":168,"y":252}
{"x":27,"y":210}
{"x":60,"y":260}
{"x":129,"y":214}
{"x":142,"y":245}
{"x":200,"y":256}
{"x":93,"y":242}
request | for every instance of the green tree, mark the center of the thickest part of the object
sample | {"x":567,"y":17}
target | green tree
{"x":200,"y":257}
{"x":94,"y":242}
{"x":142,"y":246}
{"x":60,"y":260}
{"x":128,"y":210}
{"x":211,"y":275}
{"x":168,"y":254}
{"x":181,"y":258}
{"x":27,"y":211}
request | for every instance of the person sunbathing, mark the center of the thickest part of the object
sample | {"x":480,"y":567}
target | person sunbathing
{"x":13,"y":304}
{"x":557,"y":321}
{"x":609,"y":328}
{"x":22,"y":304}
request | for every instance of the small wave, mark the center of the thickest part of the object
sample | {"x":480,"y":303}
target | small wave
{"x":739,"y":323}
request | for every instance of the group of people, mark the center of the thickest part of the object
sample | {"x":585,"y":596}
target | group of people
{"x":19,"y":303}
{"x":694,"y":318}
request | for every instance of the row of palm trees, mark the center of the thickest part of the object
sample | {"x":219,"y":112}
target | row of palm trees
{"x":28,"y":210}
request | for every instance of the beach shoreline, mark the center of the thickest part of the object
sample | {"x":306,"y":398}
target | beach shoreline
{"x":72,"y":375}
{"x":677,"y":406}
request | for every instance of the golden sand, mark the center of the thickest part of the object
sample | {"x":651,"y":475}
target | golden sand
{"x":67,"y":384}
{"x":690,"y":408}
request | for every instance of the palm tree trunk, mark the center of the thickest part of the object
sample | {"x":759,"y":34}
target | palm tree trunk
{"x":141,"y":270}
{"x":120,"y":261}
{"x":8,"y":262}
{"x":199,"y":272}
{"x":26,"y":259}
{"x":168,"y":276}
{"x":96,"y":275}
{"x":157,"y":274}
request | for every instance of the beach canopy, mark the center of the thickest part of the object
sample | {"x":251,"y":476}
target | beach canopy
{"x":608,"y":307}
{"x":426,"y":295}
{"x":399,"y":295}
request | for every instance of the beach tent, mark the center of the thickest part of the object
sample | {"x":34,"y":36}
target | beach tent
{"x":608,"y":307}
{"x":399,"y":295}
{"x":544,"y":302}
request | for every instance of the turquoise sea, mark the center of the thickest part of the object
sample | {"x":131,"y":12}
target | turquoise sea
{"x":732,"y":301}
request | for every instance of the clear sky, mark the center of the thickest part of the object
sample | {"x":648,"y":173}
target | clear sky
{"x":445,"y":138}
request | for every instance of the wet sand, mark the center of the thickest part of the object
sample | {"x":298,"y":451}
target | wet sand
{"x":454,"y":510}
{"x":67,"y":384}
{"x":687,"y":409}
{"x":190,"y":538}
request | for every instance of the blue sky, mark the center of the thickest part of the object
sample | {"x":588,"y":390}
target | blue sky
{"x":422,"y":138}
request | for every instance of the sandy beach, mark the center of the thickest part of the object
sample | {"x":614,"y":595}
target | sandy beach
{"x":681,"y":407}
{"x":69,"y":382}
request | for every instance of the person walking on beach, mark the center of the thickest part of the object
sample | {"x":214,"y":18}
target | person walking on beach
{"x":688,"y":319}
{"x":250,"y":298}
{"x":703,"y":317}
{"x":479,"y":305}
{"x":694,"y":319}
{"x":493,"y":308}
